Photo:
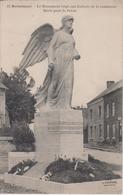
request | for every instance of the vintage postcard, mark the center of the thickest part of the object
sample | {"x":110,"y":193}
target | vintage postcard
{"x":61,"y":96}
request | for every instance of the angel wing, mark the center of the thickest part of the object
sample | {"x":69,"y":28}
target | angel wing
{"x":37,"y":46}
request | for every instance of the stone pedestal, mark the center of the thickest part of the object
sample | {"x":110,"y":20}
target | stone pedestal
{"x":58,"y":132}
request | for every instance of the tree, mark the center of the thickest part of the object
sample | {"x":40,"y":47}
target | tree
{"x":23,"y":138}
{"x":19,"y":100}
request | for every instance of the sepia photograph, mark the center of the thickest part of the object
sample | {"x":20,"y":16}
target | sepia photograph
{"x":61,"y":96}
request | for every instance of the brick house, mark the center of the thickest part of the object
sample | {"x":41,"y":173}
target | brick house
{"x":105,"y":115}
{"x":113,"y":113}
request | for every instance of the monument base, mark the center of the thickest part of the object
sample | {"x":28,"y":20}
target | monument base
{"x":58,"y":132}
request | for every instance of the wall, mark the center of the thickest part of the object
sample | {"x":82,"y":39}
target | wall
{"x":5,"y":147}
{"x":95,"y":121}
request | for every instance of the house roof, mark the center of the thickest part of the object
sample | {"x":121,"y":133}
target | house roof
{"x":108,"y":90}
{"x":2,"y":86}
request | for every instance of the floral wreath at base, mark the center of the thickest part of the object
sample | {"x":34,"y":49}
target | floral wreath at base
{"x":22,"y":167}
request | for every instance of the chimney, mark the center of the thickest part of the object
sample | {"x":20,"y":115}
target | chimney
{"x":110,"y":83}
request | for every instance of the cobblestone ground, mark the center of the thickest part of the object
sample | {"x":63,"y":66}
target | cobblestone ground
{"x":9,"y":189}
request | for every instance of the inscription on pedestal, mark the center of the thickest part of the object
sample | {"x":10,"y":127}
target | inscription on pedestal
{"x":58,"y":133}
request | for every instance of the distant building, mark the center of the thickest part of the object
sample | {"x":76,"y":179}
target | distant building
{"x":105,"y":115}
{"x":113,"y":113}
{"x":2,"y":105}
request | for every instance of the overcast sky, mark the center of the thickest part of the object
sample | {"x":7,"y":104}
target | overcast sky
{"x":98,"y":36}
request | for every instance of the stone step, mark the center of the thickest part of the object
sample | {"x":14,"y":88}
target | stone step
{"x":3,"y":159}
{"x":96,"y":187}
{"x":37,"y":170}
{"x":3,"y":153}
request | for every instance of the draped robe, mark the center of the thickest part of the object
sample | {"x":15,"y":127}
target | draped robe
{"x":58,"y":84}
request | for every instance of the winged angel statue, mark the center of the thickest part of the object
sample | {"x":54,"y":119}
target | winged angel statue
{"x":59,"y":47}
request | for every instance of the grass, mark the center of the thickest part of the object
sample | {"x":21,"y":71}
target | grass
{"x":11,"y":189}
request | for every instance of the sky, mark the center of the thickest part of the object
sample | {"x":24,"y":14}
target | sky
{"x":98,"y":33}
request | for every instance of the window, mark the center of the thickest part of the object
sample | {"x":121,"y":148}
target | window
{"x":2,"y":104}
{"x":107,"y":131}
{"x":91,"y":131}
{"x":91,"y":112}
{"x":113,"y":130}
{"x":113,"y":109}
{"x":100,"y":130}
{"x":95,"y":131}
{"x":107,"y":110}
{"x":1,"y":121}
{"x":99,"y":111}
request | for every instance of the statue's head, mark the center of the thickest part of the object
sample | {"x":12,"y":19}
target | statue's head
{"x":67,"y":21}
